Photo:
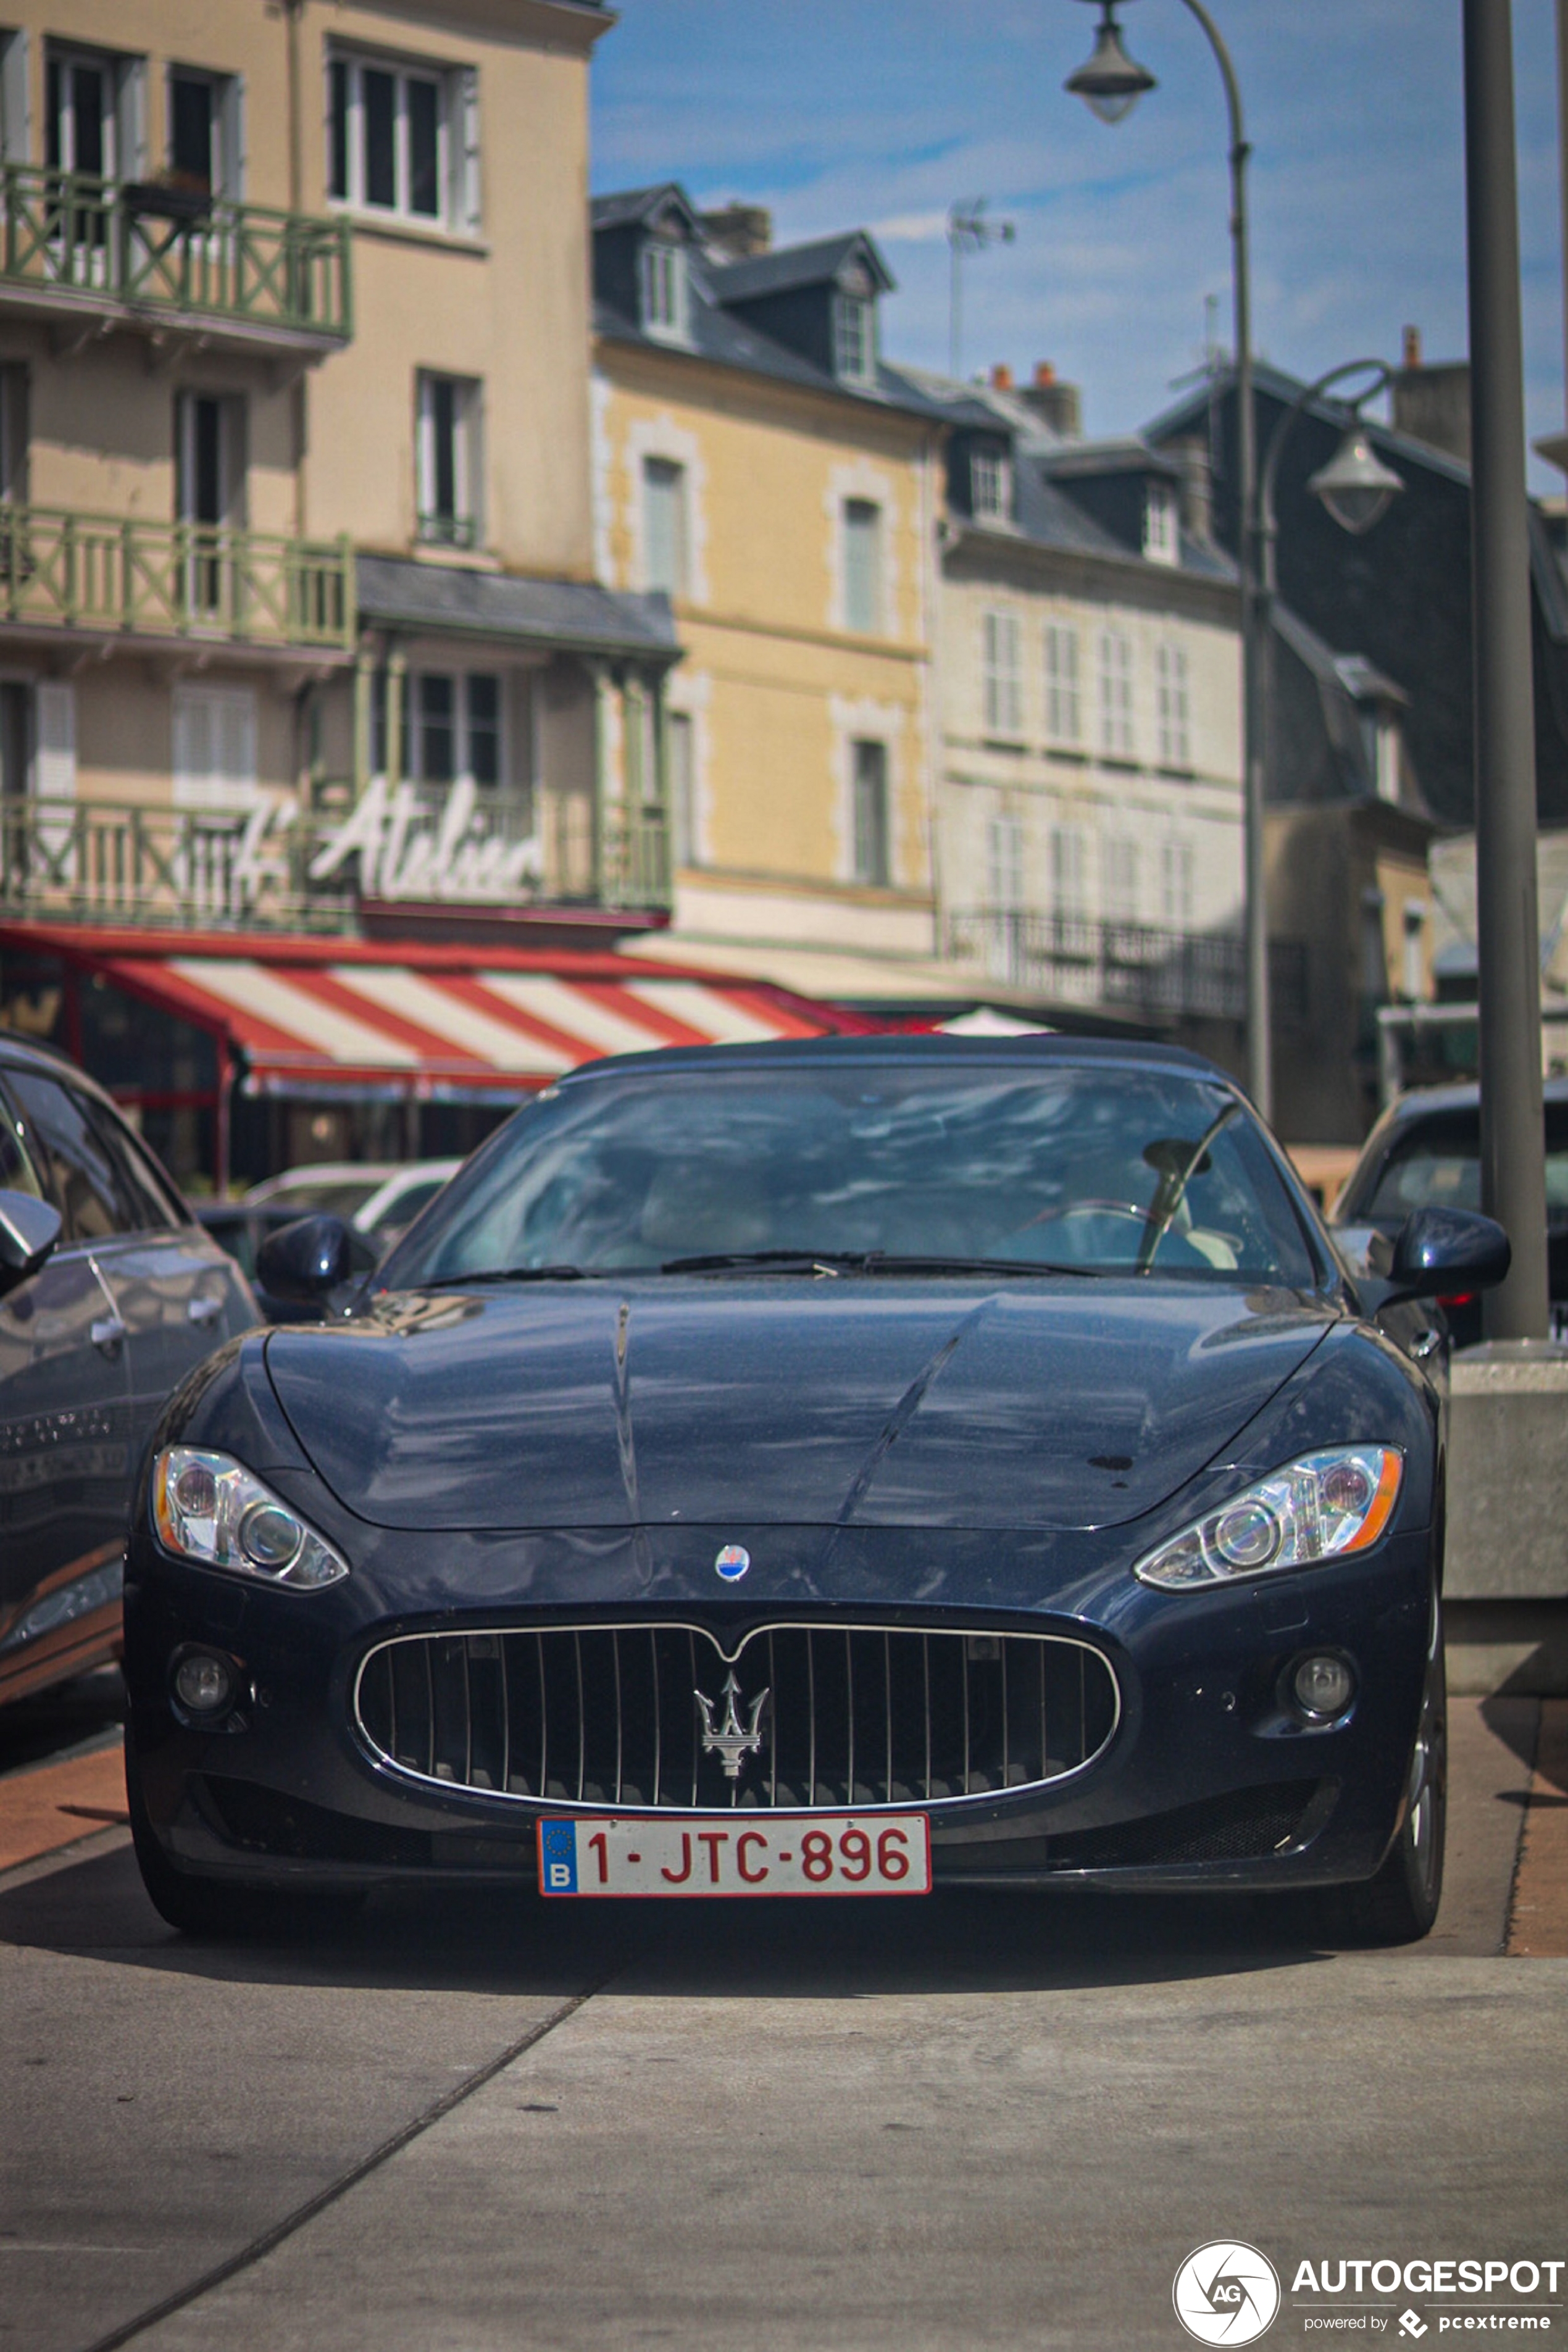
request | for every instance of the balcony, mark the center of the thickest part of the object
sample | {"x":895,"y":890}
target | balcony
{"x":1153,"y":974}
{"x":274,"y":866}
{"x":119,"y":577}
{"x":163,"y":261}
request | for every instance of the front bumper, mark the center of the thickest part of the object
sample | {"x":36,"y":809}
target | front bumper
{"x":1207,"y":1779}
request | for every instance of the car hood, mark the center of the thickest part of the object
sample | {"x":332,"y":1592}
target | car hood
{"x":785,"y":1402}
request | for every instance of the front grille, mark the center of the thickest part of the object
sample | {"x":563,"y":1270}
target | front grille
{"x":800,"y":1717}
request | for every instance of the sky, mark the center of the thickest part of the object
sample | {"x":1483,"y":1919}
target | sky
{"x":883,"y":115}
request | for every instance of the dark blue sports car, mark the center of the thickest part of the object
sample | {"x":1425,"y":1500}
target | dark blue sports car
{"x":845,"y":1467}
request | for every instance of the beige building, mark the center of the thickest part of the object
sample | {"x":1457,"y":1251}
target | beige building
{"x":756,"y":460}
{"x":295,"y":507}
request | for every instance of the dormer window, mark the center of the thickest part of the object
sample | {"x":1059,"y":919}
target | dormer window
{"x":1160,"y":523}
{"x":854,"y":339}
{"x":664,"y":290}
{"x":990,"y":486}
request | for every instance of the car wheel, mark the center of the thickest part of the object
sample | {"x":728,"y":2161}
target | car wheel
{"x":212,"y":1908}
{"x":1400,"y":1904}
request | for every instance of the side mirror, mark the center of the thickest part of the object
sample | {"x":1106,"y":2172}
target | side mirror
{"x":29,"y":1229}
{"x":1446,"y":1249}
{"x":305,"y":1260}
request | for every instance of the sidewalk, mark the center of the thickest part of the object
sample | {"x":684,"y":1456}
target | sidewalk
{"x":53,"y":1805}
{"x":1538,"y":1914}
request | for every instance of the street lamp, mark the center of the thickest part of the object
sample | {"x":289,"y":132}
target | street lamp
{"x":1111,"y":84}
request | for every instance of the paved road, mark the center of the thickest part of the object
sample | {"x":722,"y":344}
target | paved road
{"x":998,"y":2122}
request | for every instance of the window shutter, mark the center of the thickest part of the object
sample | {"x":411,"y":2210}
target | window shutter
{"x":132,"y":126}
{"x":54,"y":773}
{"x":467,"y":147}
{"x":234,"y":155}
{"x":16,"y":141}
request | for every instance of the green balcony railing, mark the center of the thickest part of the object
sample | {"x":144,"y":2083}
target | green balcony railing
{"x":169,"y":251}
{"x":634,"y":856}
{"x":125,"y":574}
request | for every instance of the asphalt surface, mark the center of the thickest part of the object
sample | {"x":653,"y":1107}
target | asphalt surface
{"x":982,"y":2122}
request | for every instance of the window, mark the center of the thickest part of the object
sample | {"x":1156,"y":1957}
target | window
{"x":1171,"y":699}
{"x":870,"y":782}
{"x":448,"y":459}
{"x":1064,"y":718}
{"x":89,"y":125}
{"x":12,"y":436}
{"x":215,"y":747}
{"x":205,"y":136}
{"x":1176,"y":884}
{"x":664,"y":289}
{"x":451,"y":728}
{"x":1069,"y":871}
{"x":854,"y":339}
{"x":1118,"y":878}
{"x":862,"y":565}
{"x":1116,"y":694}
{"x":1160,"y":523}
{"x":1003,"y":863}
{"x":663,"y":525}
{"x":82,"y":1180}
{"x":990,"y":486}
{"x":1380,"y":735}
{"x":404,"y":140}
{"x":999,"y":668}
{"x":681,"y":780}
{"x":210,"y":491}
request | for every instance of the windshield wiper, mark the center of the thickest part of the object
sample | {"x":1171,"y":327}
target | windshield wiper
{"x":507,"y":1273}
{"x":837,"y":1262}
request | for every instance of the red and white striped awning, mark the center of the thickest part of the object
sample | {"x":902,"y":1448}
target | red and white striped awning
{"x":436,"y":1021}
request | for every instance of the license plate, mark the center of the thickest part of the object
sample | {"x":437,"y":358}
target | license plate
{"x":736,"y":1854}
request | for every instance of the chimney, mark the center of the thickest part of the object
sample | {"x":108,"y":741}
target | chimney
{"x":1191,"y":455}
{"x":1059,"y":405}
{"x":1001,"y":377}
{"x":736,"y":232}
{"x":1432,"y":400}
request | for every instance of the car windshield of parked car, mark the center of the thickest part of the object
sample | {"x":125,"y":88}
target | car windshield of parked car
{"x":1077,"y":1169}
{"x":1436,"y":1163}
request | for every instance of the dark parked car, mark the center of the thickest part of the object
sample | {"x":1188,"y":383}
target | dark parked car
{"x":840,"y":1467}
{"x":1425,"y":1152}
{"x":109,"y":1294}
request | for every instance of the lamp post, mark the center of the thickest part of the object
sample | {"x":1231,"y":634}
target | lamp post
{"x":1111,"y":83}
{"x":1513,"y":1167}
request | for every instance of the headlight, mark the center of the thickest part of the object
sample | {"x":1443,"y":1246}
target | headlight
{"x":1320,"y":1508}
{"x":208,"y":1507}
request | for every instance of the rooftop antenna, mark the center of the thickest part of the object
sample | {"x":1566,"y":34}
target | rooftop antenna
{"x":968,"y":231}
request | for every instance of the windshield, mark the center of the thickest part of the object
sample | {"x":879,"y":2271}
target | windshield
{"x":1077,"y":1169}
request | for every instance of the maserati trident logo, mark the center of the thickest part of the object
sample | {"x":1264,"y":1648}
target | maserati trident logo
{"x":731,"y":1741}
{"x":732,"y":1562}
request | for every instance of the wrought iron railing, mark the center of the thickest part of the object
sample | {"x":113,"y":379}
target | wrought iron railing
{"x":1138,"y":968}
{"x":173,"y":251}
{"x":125,"y":573}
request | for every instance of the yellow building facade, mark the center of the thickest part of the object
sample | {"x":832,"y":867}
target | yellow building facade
{"x":755,"y":460}
{"x":295,"y":496}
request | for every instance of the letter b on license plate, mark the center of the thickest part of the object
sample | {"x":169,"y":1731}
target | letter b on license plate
{"x":737,"y":1853}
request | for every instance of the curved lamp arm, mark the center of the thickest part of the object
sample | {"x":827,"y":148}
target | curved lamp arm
{"x":1381,"y":377}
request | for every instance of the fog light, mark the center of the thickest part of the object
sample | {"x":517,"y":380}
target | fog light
{"x":204,"y":1683}
{"x":1324,"y":1687}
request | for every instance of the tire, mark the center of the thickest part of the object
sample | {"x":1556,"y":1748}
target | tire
{"x":1400,"y":1904}
{"x":212,"y":1908}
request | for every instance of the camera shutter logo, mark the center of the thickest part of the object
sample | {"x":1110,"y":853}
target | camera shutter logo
{"x":1227,"y":2293}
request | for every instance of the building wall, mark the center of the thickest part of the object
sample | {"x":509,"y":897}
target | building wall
{"x":1136,"y":798}
{"x":325,"y":445}
{"x":775,"y":687}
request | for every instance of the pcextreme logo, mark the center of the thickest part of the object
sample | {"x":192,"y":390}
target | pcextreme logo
{"x":1227,"y":2293}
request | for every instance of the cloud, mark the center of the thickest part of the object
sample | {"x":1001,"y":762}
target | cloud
{"x":910,"y":228}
